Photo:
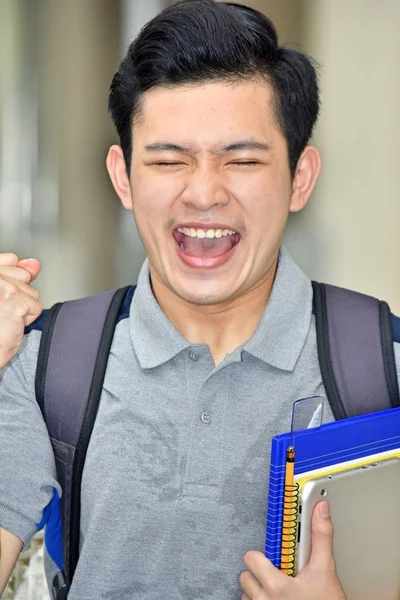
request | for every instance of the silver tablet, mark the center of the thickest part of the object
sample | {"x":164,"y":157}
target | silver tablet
{"x":365,"y":508}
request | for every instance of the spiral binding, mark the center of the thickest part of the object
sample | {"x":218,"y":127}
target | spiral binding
{"x":289,"y":528}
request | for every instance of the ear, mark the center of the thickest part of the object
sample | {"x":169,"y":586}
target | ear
{"x":116,"y":168}
{"x":307,"y":170}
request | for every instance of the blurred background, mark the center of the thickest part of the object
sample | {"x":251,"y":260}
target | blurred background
{"x":57,"y":204}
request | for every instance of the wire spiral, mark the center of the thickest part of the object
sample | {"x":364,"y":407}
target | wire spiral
{"x":289,"y":528}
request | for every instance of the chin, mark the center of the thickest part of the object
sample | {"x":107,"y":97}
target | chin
{"x":204,"y":297}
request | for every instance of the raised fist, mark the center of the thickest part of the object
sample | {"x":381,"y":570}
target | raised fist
{"x":19,"y":302}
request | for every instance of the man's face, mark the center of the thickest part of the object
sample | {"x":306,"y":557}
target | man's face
{"x":211,"y":187}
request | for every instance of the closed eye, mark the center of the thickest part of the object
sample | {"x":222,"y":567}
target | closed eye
{"x":168,"y":164}
{"x":245,"y":163}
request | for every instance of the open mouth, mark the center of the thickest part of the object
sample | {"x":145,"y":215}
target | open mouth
{"x":206,"y":243}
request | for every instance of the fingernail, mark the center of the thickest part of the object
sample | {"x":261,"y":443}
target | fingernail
{"x":324,"y":509}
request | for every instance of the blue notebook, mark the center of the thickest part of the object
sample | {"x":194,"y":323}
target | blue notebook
{"x":327,"y":446}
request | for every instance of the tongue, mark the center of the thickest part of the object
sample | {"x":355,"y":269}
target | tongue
{"x":207,"y":247}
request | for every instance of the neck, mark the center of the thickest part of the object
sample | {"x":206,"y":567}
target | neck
{"x":224,"y":326}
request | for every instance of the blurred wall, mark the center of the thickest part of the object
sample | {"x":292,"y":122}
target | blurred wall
{"x":349,"y":233}
{"x":62,"y":208}
{"x":354,"y":217}
{"x":130,"y":253}
{"x":79,"y":49}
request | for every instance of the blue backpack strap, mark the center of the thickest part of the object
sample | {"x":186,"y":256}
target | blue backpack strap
{"x":72,"y":361}
{"x":355,"y":350}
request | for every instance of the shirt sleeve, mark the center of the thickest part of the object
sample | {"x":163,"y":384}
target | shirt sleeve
{"x":27,"y":465}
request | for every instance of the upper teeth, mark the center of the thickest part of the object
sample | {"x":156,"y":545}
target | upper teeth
{"x":206,"y":233}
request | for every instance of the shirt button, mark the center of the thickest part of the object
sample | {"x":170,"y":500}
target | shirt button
{"x":193,"y":355}
{"x":206,"y":417}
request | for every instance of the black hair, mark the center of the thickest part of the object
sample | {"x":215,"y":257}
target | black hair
{"x":201,"y":40}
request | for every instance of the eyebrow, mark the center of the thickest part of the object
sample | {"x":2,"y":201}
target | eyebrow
{"x":244,"y":145}
{"x":247,"y":144}
{"x":160,"y":146}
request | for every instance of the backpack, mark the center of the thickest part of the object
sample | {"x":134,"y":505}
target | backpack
{"x":355,"y":335}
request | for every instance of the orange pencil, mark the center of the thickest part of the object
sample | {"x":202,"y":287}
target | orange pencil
{"x":289,"y":516}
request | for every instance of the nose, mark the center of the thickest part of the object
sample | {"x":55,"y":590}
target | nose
{"x":204,"y":189}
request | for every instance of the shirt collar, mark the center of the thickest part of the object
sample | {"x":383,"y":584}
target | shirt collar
{"x":154,"y":338}
{"x":278,"y":339}
{"x":282,"y":331}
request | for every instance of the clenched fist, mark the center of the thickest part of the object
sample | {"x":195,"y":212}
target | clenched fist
{"x":19,"y":303}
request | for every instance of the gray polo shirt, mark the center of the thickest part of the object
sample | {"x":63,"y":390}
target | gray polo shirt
{"x":174,"y":488}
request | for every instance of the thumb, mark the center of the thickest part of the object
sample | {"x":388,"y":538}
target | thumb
{"x":32,"y":265}
{"x":322,"y":538}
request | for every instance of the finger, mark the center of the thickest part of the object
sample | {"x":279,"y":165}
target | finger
{"x":269,"y":576}
{"x":244,"y":597}
{"x":13,"y":321}
{"x":12,"y":287}
{"x":33,"y":315}
{"x":249,"y":585}
{"x":32,"y":265}
{"x":19,"y":307}
{"x":8,"y":259}
{"x":16,"y":303}
{"x":18,"y":273}
{"x":322,"y":538}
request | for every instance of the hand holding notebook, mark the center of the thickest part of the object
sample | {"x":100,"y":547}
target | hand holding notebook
{"x":355,"y":463}
{"x":318,"y":581}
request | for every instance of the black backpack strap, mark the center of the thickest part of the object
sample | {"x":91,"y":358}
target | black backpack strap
{"x":355,"y":350}
{"x":72,"y":361}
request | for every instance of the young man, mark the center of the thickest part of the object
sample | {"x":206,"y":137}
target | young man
{"x":214,"y":120}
